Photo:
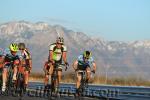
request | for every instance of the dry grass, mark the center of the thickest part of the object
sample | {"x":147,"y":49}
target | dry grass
{"x":123,"y":81}
{"x":36,"y":77}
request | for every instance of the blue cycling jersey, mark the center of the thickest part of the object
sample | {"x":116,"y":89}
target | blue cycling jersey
{"x":9,"y":57}
{"x":82,"y":62}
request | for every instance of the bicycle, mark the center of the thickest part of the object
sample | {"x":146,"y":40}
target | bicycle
{"x":53,"y":89}
{"x":9,"y":83}
{"x":19,"y":84}
{"x":83,"y":82}
{"x":1,"y":70}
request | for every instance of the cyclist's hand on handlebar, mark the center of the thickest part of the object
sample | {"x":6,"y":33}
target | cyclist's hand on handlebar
{"x":66,"y":63}
{"x":93,"y":71}
{"x":76,"y":70}
{"x":66,"y":68}
{"x":52,"y":62}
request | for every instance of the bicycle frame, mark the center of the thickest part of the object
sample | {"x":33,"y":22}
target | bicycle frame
{"x":54,"y":79}
{"x":19,"y":86}
{"x":1,"y":81}
{"x":83,"y":82}
{"x":9,"y":83}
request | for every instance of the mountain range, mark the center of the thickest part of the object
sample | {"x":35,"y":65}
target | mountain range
{"x":115,"y":58}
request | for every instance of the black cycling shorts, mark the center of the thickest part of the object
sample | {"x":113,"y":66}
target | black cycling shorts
{"x":83,"y":67}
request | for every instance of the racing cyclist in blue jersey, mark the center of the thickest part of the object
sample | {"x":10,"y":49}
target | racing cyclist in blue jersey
{"x":10,"y":58}
{"x":84,"y":62}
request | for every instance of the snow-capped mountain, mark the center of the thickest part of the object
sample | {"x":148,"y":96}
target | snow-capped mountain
{"x":118,"y":58}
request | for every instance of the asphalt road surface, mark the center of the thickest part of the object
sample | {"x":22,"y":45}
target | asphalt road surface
{"x":42,"y":98}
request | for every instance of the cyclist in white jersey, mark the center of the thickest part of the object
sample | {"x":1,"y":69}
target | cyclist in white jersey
{"x":57,"y":54}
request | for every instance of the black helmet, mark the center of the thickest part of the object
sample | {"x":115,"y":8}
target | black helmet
{"x":21,"y":46}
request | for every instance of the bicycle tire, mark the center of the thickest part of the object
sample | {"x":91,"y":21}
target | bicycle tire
{"x":9,"y":84}
{"x":20,"y":84}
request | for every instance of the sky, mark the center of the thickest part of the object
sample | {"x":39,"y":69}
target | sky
{"x":112,"y":20}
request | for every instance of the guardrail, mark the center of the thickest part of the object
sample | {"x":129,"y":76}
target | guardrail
{"x":98,"y":91}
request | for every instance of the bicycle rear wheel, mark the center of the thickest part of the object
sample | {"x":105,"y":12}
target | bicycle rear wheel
{"x":9,"y":84}
{"x":19,"y":86}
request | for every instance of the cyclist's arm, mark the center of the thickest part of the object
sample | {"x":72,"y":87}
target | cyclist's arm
{"x":1,"y":61}
{"x":45,"y":66}
{"x":30,"y":63}
{"x":65,"y":57}
{"x":94,"y":66}
{"x":51,"y":56}
{"x":64,"y":54}
{"x":29,"y":58}
{"x":75,"y":64}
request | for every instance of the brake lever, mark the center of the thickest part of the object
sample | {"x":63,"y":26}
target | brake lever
{"x":93,"y":71}
{"x":66,"y":68}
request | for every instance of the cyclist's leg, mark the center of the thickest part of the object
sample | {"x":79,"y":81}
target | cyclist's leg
{"x":26,"y":77}
{"x":78,"y":81}
{"x":59,"y":77}
{"x":50,"y":71}
{"x":46,"y":79}
{"x":4,"y":78}
{"x":88,"y":73}
{"x":15,"y":69}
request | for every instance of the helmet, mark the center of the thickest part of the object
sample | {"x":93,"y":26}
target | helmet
{"x":60,"y":40}
{"x":21,"y":46}
{"x":87,"y":54}
{"x":13,"y":47}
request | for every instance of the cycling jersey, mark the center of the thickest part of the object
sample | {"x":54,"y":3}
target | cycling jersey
{"x":1,"y":57}
{"x":25,"y":56}
{"x":8,"y":58}
{"x":1,"y":61}
{"x":57,"y":52}
{"x":82,"y":64}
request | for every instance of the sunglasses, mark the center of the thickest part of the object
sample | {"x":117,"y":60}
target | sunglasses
{"x":21,"y":49}
{"x":86,"y":57}
{"x":59,"y":43}
{"x":13,"y":51}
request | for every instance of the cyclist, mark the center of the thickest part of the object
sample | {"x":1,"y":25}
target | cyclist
{"x":10,"y":57}
{"x":57,"y":53}
{"x":26,"y":61}
{"x":84,"y":62}
{"x":1,"y":65}
{"x":1,"y":58}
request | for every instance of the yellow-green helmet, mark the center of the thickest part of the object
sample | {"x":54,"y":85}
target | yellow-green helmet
{"x":13,"y":47}
{"x":87,"y":54}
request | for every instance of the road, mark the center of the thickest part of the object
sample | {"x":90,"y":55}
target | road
{"x":67,"y":90}
{"x":42,"y":98}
